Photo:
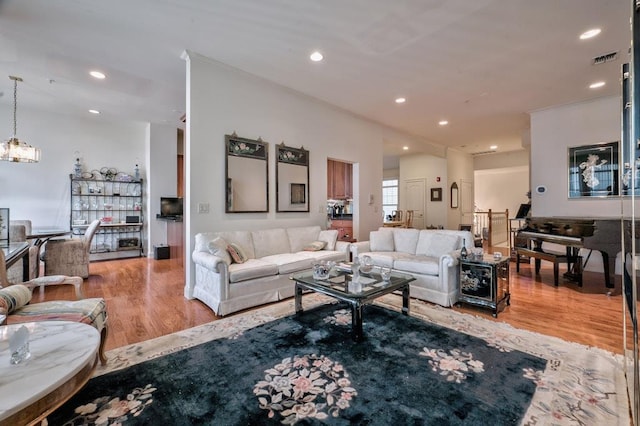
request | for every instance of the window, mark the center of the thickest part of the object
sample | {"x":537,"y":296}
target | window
{"x":389,"y":196}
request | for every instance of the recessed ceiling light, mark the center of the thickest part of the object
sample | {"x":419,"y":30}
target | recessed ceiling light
{"x":97,"y":74}
{"x":589,"y":34}
{"x":406,"y":148}
{"x":597,"y":85}
{"x":443,"y":122}
{"x":493,"y":147}
{"x":94,"y":111}
{"x":401,"y":100}
{"x":316,"y":56}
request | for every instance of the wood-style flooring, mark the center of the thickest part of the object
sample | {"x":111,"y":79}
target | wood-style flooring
{"x":145,"y":300}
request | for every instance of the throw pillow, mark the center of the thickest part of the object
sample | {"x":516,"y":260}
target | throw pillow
{"x":315,"y":246}
{"x":236,"y":252}
{"x":330,"y":236}
{"x":14,"y":297}
{"x":381,"y":241}
{"x":218,"y":247}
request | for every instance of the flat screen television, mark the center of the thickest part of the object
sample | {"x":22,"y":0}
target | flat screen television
{"x":170,"y":206}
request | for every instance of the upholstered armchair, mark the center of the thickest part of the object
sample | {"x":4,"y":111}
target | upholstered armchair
{"x":15,"y":307}
{"x":71,"y":256}
{"x":18,"y":231}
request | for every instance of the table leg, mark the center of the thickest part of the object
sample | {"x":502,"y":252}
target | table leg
{"x":405,"y":300}
{"x":26,"y":266}
{"x":356,"y":322}
{"x":298,"y":298}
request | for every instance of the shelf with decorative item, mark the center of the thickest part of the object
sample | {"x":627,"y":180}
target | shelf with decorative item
{"x":116,"y":200}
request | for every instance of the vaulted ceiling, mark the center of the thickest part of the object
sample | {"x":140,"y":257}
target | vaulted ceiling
{"x":482,"y":65}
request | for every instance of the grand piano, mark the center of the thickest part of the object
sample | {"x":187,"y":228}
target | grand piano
{"x":601,"y":234}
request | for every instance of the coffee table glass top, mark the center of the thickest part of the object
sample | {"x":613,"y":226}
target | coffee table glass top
{"x":341,"y":282}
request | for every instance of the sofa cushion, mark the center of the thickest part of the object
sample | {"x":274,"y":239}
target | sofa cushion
{"x":87,"y":311}
{"x":252,"y":268}
{"x":218,"y":247}
{"x":424,"y":265}
{"x":300,"y":236}
{"x":380,"y":258}
{"x":405,"y":240}
{"x":315,"y":246}
{"x":381,"y":241}
{"x":330,"y":236}
{"x":271,"y":241}
{"x":435,"y":244}
{"x":236,"y":253}
{"x":290,"y":262}
{"x":242,"y":238}
{"x":14,"y":297}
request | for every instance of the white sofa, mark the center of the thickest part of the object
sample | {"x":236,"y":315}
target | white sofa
{"x":431,"y":256}
{"x":272,"y":256}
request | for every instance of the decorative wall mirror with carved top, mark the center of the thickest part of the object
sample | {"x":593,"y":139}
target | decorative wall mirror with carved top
{"x":292,"y":179}
{"x":247,"y":175}
{"x":454,"y":195}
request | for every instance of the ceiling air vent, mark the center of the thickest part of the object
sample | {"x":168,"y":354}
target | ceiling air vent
{"x":608,"y":57}
{"x":484,"y":152}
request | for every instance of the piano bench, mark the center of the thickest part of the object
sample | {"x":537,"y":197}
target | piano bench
{"x":556,"y":258}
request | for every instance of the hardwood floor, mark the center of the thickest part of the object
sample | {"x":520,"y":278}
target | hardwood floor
{"x":145,"y":300}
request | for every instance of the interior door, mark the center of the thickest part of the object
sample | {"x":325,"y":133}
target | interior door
{"x":466,"y":201}
{"x":414,"y":199}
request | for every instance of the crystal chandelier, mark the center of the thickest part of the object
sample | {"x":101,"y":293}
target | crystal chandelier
{"x":14,"y":149}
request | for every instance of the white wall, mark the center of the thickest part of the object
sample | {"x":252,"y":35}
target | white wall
{"x":40,"y":191}
{"x":221,"y":100}
{"x":162,"y":149}
{"x":429,"y":168}
{"x":553,"y":131}
{"x":459,"y":167}
{"x":501,"y":189}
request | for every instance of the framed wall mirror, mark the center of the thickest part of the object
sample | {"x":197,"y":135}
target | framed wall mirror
{"x":454,"y":195}
{"x":247,"y":175}
{"x":292,"y":179}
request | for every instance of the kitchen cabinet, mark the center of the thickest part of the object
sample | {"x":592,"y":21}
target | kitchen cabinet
{"x":339,"y":180}
{"x":344,"y":228}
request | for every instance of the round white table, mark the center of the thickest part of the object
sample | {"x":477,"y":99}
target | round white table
{"x":63,"y":357}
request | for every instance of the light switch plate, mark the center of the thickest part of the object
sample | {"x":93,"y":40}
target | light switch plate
{"x":203,"y":207}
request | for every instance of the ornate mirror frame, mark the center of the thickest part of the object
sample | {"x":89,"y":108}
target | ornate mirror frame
{"x":454,"y":195}
{"x":292,"y":179}
{"x":247,"y":175}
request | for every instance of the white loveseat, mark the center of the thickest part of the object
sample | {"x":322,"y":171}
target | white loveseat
{"x":431,"y":256}
{"x":272,"y":256}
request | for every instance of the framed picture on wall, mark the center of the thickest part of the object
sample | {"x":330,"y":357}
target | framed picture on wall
{"x":436,"y":194}
{"x":4,"y":227}
{"x":593,"y":170}
{"x":298,"y":192}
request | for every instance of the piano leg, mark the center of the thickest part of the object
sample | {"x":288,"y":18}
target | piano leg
{"x":574,"y":265}
{"x":607,"y":268}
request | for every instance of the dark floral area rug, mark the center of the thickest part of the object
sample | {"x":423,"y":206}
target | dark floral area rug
{"x":305,"y":369}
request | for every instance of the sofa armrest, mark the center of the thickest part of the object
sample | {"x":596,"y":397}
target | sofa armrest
{"x":209,"y":261}
{"x":360,"y":247}
{"x":343,"y":246}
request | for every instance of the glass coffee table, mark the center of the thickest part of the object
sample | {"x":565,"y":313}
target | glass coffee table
{"x":340,"y":285}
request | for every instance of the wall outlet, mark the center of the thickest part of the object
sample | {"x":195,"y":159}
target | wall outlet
{"x":203,"y":207}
